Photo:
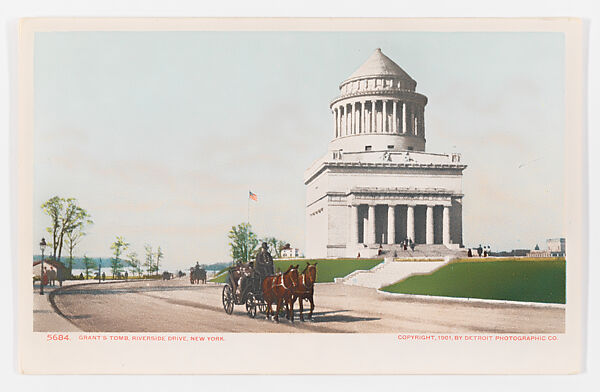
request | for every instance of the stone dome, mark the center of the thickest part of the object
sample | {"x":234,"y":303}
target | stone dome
{"x":378,"y":109}
{"x":380,"y":66}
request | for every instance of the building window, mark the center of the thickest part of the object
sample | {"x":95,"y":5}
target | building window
{"x":390,"y":147}
{"x":410,"y":148}
{"x":368,"y":148}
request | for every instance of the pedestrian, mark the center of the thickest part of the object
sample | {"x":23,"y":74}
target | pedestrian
{"x":81,"y":276}
{"x":469,"y":253}
{"x":126,"y":275}
{"x":358,"y":256}
{"x":411,"y":244}
{"x":103,"y":276}
{"x":479,"y":250}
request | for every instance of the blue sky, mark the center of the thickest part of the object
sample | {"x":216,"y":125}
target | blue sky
{"x":161,"y":134}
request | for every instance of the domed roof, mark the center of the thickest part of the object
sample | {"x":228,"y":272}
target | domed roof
{"x":379,"y":65}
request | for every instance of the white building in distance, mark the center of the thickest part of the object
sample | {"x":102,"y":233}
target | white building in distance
{"x":376,"y":186}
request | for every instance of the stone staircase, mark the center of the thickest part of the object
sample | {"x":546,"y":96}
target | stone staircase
{"x":422,"y":250}
{"x":391,"y":271}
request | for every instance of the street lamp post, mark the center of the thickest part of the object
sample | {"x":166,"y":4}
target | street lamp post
{"x":42,"y":248}
{"x":99,"y":269}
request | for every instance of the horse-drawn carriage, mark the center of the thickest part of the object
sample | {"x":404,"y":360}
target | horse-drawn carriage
{"x":197,"y":275}
{"x":258,"y":293}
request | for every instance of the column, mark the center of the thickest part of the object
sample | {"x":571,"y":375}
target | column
{"x":371,"y":232}
{"x":348,"y":121}
{"x":403,"y":117}
{"x":339,"y":119}
{"x":353,"y":119}
{"x":391,"y":229}
{"x":446,"y":226}
{"x":363,"y":123}
{"x":384,"y":122}
{"x":373,"y":116}
{"x":429,"y":224}
{"x":353,"y":226}
{"x":410,"y":222}
{"x":413,"y":131}
{"x":395,"y":117}
{"x":334,"y":123}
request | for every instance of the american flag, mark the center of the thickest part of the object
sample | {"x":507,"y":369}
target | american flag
{"x":253,"y":196}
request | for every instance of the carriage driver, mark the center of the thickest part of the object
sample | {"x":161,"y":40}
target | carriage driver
{"x":263,"y":266}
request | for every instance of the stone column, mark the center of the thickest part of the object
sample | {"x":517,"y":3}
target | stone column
{"x":410,"y":222}
{"x":353,"y":119}
{"x":384,"y":122}
{"x":371,"y":232}
{"x":353,"y":226}
{"x":395,"y":117}
{"x":391,"y":229}
{"x":363,"y":123}
{"x":446,"y":226}
{"x":334,"y":123}
{"x":373,"y":116}
{"x":403,"y":117}
{"x":339,"y":118}
{"x":429,"y":224}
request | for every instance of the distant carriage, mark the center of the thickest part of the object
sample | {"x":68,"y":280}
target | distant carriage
{"x":197,"y":275}
{"x":167,"y":275}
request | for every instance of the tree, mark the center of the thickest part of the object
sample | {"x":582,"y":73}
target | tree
{"x":149,"y":263}
{"x":67,"y":218}
{"x":159,"y":255}
{"x":275,"y":246}
{"x":243,"y":242}
{"x":88,"y":264}
{"x":134,"y":262}
{"x":53,"y":208}
{"x":118,"y":247}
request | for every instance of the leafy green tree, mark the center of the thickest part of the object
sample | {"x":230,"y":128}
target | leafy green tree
{"x":88,"y":264}
{"x":243,"y":242}
{"x":67,"y":219}
{"x":159,"y":256}
{"x":118,"y":247}
{"x":275,"y":246}
{"x":134,"y":262}
{"x":149,"y":262}
{"x":53,"y":207}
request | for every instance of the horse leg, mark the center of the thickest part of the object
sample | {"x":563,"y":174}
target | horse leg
{"x":291,"y":308}
{"x":312,"y":306}
{"x":276,"y":318}
{"x":300,"y":300}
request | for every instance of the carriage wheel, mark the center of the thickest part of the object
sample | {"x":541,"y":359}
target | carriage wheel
{"x":251,"y":305}
{"x":228,"y":299}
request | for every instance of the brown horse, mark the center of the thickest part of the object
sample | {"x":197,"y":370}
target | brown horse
{"x":278,"y":288}
{"x":306,"y":288}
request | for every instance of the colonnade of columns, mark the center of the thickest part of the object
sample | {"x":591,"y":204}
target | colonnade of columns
{"x":370,"y":232}
{"x":378,"y":116}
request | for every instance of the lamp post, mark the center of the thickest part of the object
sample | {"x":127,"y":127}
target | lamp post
{"x":42,"y":248}
{"x":99,"y":269}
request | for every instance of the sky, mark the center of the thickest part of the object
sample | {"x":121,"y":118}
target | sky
{"x":160,"y":135}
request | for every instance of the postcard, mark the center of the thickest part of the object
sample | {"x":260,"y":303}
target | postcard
{"x":335,"y":196}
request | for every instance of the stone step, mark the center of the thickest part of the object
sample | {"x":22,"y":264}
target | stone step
{"x":390,"y":272}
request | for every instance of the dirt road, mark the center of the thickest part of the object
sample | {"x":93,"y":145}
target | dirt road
{"x":177,"y":306}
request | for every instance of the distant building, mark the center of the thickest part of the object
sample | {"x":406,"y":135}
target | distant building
{"x":289,"y":252}
{"x":557,"y":246}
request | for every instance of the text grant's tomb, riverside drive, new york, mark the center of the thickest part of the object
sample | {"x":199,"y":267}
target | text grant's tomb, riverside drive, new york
{"x":377,"y":187}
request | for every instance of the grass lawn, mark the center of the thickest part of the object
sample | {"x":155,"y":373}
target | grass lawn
{"x":513,"y":280}
{"x":327,"y":269}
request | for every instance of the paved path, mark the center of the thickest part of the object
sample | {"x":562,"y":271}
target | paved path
{"x":177,"y":306}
